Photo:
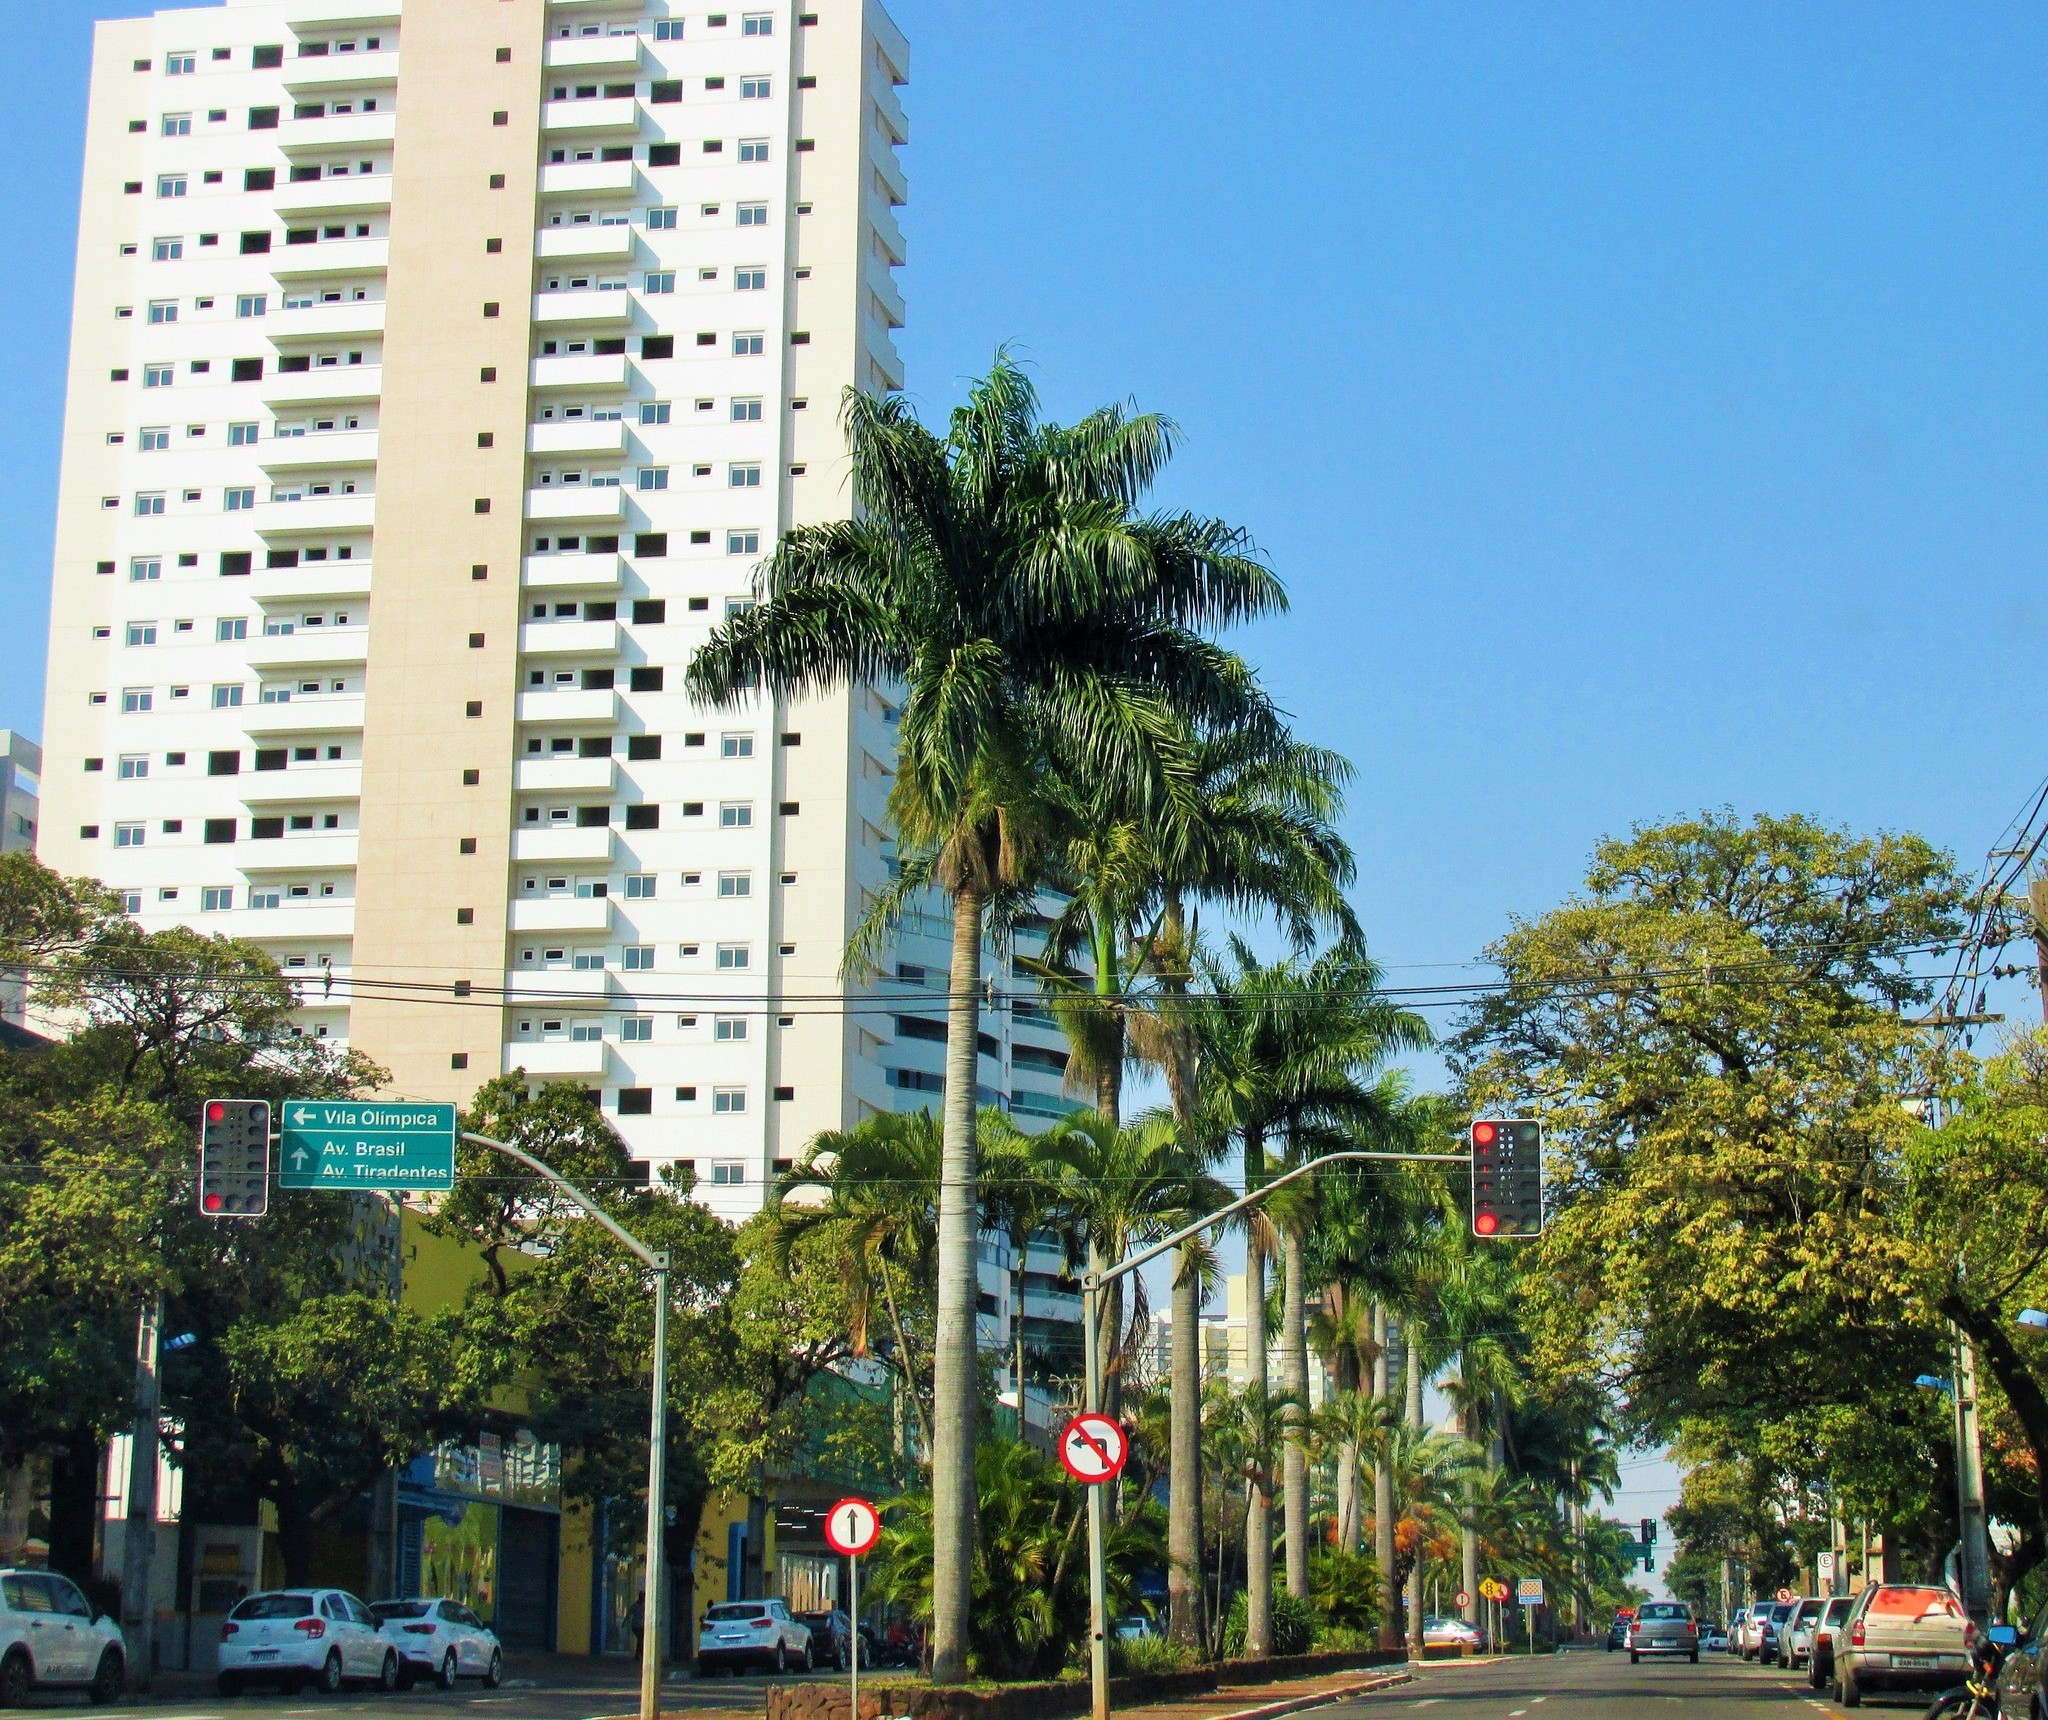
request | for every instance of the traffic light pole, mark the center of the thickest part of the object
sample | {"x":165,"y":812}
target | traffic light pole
{"x":656,"y":1261}
{"x":1093,"y":1283}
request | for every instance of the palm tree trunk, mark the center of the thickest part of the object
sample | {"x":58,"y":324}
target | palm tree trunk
{"x":1468,"y":1527}
{"x":953,"y":1358}
{"x":1348,"y":1513}
{"x":1294,"y":1362}
{"x":1383,"y":1495}
{"x":1411,"y":1349}
{"x":1258,"y":1521}
{"x":1023,"y":1245}
{"x":1184,"y":1465}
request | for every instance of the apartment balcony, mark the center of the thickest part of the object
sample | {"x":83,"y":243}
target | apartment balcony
{"x":611,"y":307}
{"x":306,"y":646}
{"x":325,"y":15}
{"x":589,"y":239}
{"x":327,"y":780}
{"x":577,"y":436}
{"x":331,"y":257}
{"x":593,"y":53}
{"x":568,"y":638}
{"x":563,"y":775}
{"x":599,"y":502}
{"x":584,"y":370}
{"x":324,"y":713}
{"x":876,"y":277}
{"x":569,"y":705}
{"x":561,"y":914}
{"x":314,"y":852}
{"x":318,"y":514}
{"x":322,"y":450}
{"x":270,"y":585}
{"x":582,"y":178}
{"x":330,"y":385}
{"x":591,"y":117}
{"x":295,"y":921}
{"x":321,"y":72}
{"x":326,"y":321}
{"x":557,"y":983}
{"x":894,"y":120}
{"x":571,"y":572}
{"x":890,"y":171}
{"x":541,"y":843}
{"x":556,"y":1056}
{"x":339,"y":131}
{"x":338,"y":194}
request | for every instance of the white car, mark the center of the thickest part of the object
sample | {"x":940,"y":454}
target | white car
{"x":295,"y":1637}
{"x":752,"y":1633}
{"x":52,"y":1639}
{"x":441,"y":1639}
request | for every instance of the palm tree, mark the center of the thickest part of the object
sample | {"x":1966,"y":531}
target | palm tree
{"x":874,"y":1190}
{"x":1019,"y":1193}
{"x":1002,"y":576}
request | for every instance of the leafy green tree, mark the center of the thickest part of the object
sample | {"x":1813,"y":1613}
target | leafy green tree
{"x":1002,"y":575}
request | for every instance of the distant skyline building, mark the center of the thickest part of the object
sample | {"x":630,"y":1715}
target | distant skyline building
{"x":440,"y":374}
{"x":21,"y":771}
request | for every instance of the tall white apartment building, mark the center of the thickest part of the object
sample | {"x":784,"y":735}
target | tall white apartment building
{"x":21,"y":770}
{"x":440,"y":372}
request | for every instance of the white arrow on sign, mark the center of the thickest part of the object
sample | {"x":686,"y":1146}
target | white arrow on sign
{"x":298,"y":1158}
{"x":1093,"y":1448}
{"x":302,"y":1114}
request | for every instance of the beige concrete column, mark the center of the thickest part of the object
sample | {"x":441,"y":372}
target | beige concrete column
{"x":434,"y":873}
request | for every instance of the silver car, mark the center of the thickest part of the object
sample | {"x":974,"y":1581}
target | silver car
{"x":1901,"y":1636}
{"x":1820,"y":1662}
{"x":1795,"y":1635}
{"x":1664,"y":1627}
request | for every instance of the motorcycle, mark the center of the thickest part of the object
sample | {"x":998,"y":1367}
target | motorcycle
{"x":1977,"y":1697}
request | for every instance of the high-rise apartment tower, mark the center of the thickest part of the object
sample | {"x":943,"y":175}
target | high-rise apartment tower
{"x":440,"y":372}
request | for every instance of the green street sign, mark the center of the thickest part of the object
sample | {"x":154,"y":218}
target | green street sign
{"x":359,"y":1143}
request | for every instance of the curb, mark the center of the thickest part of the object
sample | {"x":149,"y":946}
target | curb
{"x":1343,"y":1693}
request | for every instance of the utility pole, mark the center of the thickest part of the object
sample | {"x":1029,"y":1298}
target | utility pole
{"x":2037,"y":901}
{"x":1975,"y":1564}
{"x":138,"y":1541}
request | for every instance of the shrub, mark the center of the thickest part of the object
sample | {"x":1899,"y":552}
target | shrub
{"x":1294,"y":1626}
{"x":1137,"y":1656}
{"x":1344,"y":1591}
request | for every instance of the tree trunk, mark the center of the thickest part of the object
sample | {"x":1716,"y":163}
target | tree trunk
{"x":953,"y":1360}
{"x":75,"y":1473}
{"x":1411,"y":1351}
{"x":1258,"y":1517}
{"x":1294,"y":1362}
{"x":1349,"y":1513}
{"x":1184,"y":1468}
{"x":1023,"y":1246}
{"x":1383,"y":1496}
{"x":294,"y":1539}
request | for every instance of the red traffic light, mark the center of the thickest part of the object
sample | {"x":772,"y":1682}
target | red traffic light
{"x":216,"y":1111}
{"x":1483,"y":1133}
{"x":1485,"y":1223}
{"x":213,"y":1203}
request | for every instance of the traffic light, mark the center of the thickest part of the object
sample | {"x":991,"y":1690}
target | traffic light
{"x":234,"y":1158}
{"x":1649,"y":1536}
{"x":1507,"y":1177}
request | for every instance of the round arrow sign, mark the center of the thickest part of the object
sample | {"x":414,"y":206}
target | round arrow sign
{"x":1094,"y":1449}
{"x":852,"y":1526}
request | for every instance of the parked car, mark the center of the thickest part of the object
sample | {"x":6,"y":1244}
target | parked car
{"x":1133,"y":1627}
{"x":53,"y":1638}
{"x":1449,"y":1633}
{"x":1795,"y":1636}
{"x":1617,"y":1632}
{"x":295,"y":1637}
{"x":1738,"y":1624}
{"x":1765,"y":1620}
{"x":752,"y":1633}
{"x":1663,"y":1627}
{"x":831,"y":1638}
{"x":1901,"y":1636}
{"x":440,"y":1639}
{"x":1713,"y":1638}
{"x":1820,"y":1664}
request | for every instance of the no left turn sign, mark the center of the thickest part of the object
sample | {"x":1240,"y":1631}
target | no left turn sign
{"x":1094,"y":1449}
{"x":851,"y":1526}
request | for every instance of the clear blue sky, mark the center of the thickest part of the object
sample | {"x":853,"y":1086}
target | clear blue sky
{"x":1644,"y":405}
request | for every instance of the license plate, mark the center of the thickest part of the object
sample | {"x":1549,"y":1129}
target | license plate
{"x":262,"y":1654}
{"x":1916,"y":1660}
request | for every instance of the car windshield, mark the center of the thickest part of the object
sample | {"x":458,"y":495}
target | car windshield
{"x":1915,"y":1603}
{"x":274,"y":1606}
{"x":1838,"y":1609}
{"x":400,"y":1609}
{"x":728,"y":1614}
{"x":1666,"y":1610}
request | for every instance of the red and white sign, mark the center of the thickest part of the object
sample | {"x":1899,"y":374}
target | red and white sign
{"x":1786,"y":1595}
{"x":851,"y":1526}
{"x":1463,"y":1600}
{"x":1094,"y":1449}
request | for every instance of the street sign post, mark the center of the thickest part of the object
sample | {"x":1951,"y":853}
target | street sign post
{"x":1094,"y":1449}
{"x":1529,"y":1594}
{"x":852,"y":1527}
{"x":366,"y":1144}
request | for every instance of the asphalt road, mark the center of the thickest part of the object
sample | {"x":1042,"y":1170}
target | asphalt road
{"x":1593,"y":1685}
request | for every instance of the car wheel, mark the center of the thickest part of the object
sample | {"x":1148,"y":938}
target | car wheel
{"x":446,"y":1677}
{"x":1846,"y":1692}
{"x":1694,"y":1656}
{"x":387,"y":1674}
{"x":494,"y":1674}
{"x":17,"y":1679}
{"x":808,"y":1661}
{"x":108,"y":1679}
{"x":781,"y":1657}
{"x":703,"y":1667}
{"x":228,"y":1684}
{"x":329,"y":1681}
{"x":1634,"y":1659}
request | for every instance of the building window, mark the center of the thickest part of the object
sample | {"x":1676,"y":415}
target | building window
{"x":636,"y":1101}
{"x":144,"y":568}
{"x":728,"y":1029}
{"x":735,"y":746}
{"x":743,"y":475}
{"x":754,"y":89}
{"x":661,"y":220}
{"x":733,"y":958}
{"x":128,"y":835}
{"x":230,"y":627}
{"x":668,"y":29}
{"x":742,"y":543}
{"x":750,"y":279}
{"x":654,"y":411}
{"x":659,"y":281}
{"x":752,"y":214}
{"x":239,"y":501}
{"x":180,"y":65}
{"x":157,"y":375}
{"x":728,"y":1101}
{"x":728,"y":1173}
{"x":149,"y":503}
{"x":216,"y":898}
{"x":757,"y":24}
{"x":753,"y":149}
{"x":141,"y":633}
{"x":653,"y":478}
{"x":227,"y":698}
{"x":163,"y":310}
{"x":636,"y":1029}
{"x":252,"y":304}
{"x":243,"y":435}
{"x":639,"y":886}
{"x":747,"y":344}
{"x":736,"y":815}
{"x":138,"y":698}
{"x":177,"y":125}
{"x":637,"y":958}
{"x":132,"y":766}
{"x":746,"y":411}
{"x":170,"y":185}
{"x":166,"y":250}
{"x":155,"y":439}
